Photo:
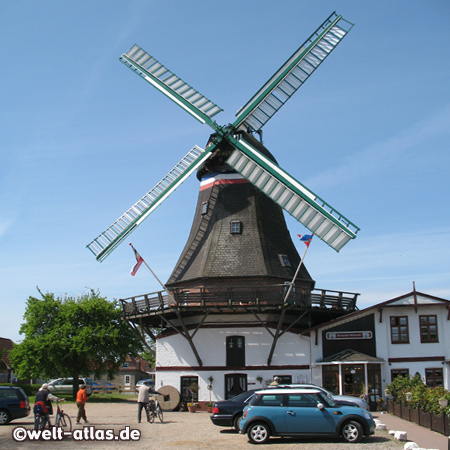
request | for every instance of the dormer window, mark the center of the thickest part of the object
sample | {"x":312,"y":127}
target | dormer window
{"x":284,"y":260}
{"x":235,"y":227}
{"x":204,"y":208}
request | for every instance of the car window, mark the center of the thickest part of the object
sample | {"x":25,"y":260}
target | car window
{"x":303,"y":400}
{"x":326,"y":400}
{"x":8,"y":393}
{"x":270,"y":400}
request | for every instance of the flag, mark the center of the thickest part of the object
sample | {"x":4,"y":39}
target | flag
{"x":306,"y":238}
{"x":139,"y":261}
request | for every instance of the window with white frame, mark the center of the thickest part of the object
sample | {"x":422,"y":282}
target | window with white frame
{"x":235,"y":227}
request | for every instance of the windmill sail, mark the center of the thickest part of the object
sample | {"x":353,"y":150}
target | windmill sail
{"x":301,"y":203}
{"x":104,"y":244}
{"x":294,"y":72}
{"x":295,"y":198}
{"x":170,"y":85}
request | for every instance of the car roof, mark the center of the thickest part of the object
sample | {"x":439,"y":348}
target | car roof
{"x":282,"y":390}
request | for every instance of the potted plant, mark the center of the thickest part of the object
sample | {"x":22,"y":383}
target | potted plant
{"x":192,"y":407}
{"x":192,"y":404}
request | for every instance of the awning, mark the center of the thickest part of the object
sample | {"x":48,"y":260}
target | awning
{"x":350,"y":357}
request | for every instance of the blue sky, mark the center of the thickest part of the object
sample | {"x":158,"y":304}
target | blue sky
{"x":83,"y":138}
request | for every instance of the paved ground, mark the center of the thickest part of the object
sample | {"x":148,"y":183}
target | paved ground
{"x":180,"y":430}
{"x":422,"y":436}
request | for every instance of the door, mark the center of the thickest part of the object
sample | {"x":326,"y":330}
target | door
{"x":235,"y":384}
{"x":354,"y":376}
{"x":304,"y":417}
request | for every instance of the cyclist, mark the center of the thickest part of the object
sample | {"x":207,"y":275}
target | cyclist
{"x":43,"y":401}
{"x":143,"y":399}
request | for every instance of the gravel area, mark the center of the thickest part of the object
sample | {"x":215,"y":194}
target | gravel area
{"x":180,"y":430}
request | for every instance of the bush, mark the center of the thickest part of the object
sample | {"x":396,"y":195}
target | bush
{"x":422,"y":396}
{"x":30,"y":389}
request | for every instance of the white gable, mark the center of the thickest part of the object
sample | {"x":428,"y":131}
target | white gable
{"x":421,"y":300}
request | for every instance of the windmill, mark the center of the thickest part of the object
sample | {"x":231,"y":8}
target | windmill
{"x":231,"y":144}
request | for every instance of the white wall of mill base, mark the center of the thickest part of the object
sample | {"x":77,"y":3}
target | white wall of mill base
{"x":174,"y":352}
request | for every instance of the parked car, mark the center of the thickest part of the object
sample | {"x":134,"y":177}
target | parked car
{"x":299,"y":412}
{"x":347,"y":400}
{"x":96,"y":387}
{"x":102,"y":386}
{"x":109,"y":387}
{"x":14,"y":404}
{"x":64,"y":386}
{"x":228,"y":413}
{"x":148,"y":382}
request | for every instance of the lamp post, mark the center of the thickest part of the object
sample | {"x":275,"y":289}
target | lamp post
{"x":408,"y":396}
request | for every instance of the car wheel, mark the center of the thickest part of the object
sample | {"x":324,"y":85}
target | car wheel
{"x":236,"y":422}
{"x":352,"y":432}
{"x":258,"y":433}
{"x":5,"y":418}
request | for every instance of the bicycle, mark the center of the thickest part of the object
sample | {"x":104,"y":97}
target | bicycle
{"x":153,"y":409}
{"x":62,"y":420}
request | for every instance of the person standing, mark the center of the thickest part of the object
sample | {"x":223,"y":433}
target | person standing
{"x":81,"y":402}
{"x":275,"y":382}
{"x":43,"y":402}
{"x":143,"y":399}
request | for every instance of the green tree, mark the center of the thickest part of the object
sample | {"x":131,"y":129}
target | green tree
{"x":72,"y":337}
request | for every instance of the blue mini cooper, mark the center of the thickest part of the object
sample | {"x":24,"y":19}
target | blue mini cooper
{"x":302,"y":413}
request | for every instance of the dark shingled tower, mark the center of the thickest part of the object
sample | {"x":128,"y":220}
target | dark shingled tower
{"x":238,"y":237}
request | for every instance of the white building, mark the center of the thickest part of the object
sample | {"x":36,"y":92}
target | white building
{"x":363,"y":351}
{"x":355,"y":354}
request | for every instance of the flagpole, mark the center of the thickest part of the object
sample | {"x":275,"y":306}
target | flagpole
{"x":295,"y":276}
{"x":153,"y":273}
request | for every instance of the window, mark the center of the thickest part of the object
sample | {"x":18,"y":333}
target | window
{"x":428,"y":329}
{"x":270,"y":400}
{"x":399,"y":330}
{"x":189,"y":389}
{"x":204,"y":208}
{"x":284,"y":260}
{"x":9,"y":394}
{"x":127,"y":380}
{"x":330,"y":378}
{"x":125,"y":366}
{"x":434,"y":377}
{"x":235,"y":227}
{"x":235,"y":384}
{"x":303,"y":400}
{"x":236,"y":351}
{"x":399,"y":372}
{"x":284,"y":379}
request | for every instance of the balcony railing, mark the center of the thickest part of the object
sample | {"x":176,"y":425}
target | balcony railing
{"x":238,"y":297}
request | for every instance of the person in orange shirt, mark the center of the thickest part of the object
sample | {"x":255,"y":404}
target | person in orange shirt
{"x":81,"y":401}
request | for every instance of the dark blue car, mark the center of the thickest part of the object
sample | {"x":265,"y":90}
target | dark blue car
{"x":228,"y":413}
{"x":303,"y":413}
{"x":14,"y":404}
